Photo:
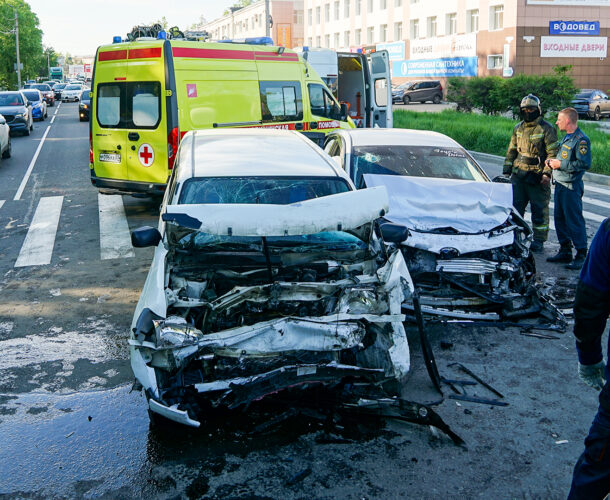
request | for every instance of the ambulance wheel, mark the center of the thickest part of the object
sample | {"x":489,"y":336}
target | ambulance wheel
{"x":406,"y":99}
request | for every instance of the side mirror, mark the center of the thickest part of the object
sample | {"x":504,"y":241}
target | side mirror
{"x":90,"y":95}
{"x":502,"y":179}
{"x":393,"y":233}
{"x":145,"y":236}
{"x":343,"y":115}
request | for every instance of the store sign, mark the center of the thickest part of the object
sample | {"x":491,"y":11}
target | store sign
{"x":574,"y":46}
{"x":396,"y":50}
{"x":443,"y":67}
{"x":444,"y":47}
{"x":574,"y":27}
{"x":580,"y":3}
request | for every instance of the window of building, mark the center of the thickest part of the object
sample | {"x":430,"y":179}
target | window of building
{"x":414,"y":29}
{"x":383,"y":4}
{"x":336,"y":40}
{"x":336,"y":10}
{"x":318,"y":42}
{"x":451,"y":24}
{"x":383,"y":33}
{"x":496,"y":17}
{"x":358,"y":37}
{"x":309,"y":41}
{"x":327,"y":12}
{"x":397,"y":31}
{"x":346,"y":8}
{"x":358,"y":7}
{"x":414,"y":1}
{"x":495,"y":61}
{"x":370,"y":5}
{"x":327,"y":41}
{"x":397,"y":3}
{"x":431,"y":27}
{"x":346,"y":39}
{"x":472,"y":21}
{"x":370,"y":34}
{"x":318,"y":19}
{"x":298,"y":17}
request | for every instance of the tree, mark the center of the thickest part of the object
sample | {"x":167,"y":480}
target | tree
{"x":237,"y":5}
{"x":198,"y":26}
{"x":30,"y":42}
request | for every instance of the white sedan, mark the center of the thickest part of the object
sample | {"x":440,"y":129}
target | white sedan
{"x":71,"y":92}
{"x":5,"y":138}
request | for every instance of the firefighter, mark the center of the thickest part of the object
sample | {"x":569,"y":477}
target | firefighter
{"x":532,"y":142}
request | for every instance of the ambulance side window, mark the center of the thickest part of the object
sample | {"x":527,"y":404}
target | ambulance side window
{"x":281,"y":101}
{"x":322,"y":103}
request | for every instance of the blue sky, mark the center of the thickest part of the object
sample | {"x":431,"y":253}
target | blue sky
{"x":79,"y":27}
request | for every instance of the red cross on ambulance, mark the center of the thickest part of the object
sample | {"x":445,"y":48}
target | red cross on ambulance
{"x":146,"y":155}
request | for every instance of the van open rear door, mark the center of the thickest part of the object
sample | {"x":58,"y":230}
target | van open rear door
{"x":380,"y":89}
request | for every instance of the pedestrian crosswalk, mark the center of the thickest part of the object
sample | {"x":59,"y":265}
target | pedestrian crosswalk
{"x":115,"y":239}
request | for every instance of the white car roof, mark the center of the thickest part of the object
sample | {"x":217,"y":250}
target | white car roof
{"x":252,"y":152}
{"x":399,"y":136}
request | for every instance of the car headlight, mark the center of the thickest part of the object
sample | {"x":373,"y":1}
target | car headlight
{"x":19,"y":115}
{"x":85,"y":106}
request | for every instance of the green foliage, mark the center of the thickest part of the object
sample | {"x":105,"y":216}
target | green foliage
{"x":494,"y":95}
{"x":236,"y":6}
{"x":491,"y":134}
{"x":30,"y":43}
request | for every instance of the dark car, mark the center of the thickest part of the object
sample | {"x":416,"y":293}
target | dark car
{"x":591,"y":103}
{"x":46,"y":91}
{"x":84,"y":106}
{"x":17,"y":111}
{"x":430,"y":90}
{"x":57,"y":88}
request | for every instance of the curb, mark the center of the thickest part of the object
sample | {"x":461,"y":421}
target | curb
{"x":499,"y":160}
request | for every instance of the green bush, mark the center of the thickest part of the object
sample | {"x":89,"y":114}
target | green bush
{"x":491,"y":134}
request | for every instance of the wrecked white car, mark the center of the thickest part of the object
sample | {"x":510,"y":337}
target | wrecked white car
{"x":467,"y":248}
{"x":267,"y":277}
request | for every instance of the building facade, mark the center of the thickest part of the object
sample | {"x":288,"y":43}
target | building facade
{"x":286,"y":23}
{"x":437,"y":40}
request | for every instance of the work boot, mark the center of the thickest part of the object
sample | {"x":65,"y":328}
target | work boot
{"x":564,"y":255}
{"x":537,"y":246}
{"x":579,"y":259}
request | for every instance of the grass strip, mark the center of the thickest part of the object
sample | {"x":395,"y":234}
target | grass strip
{"x":491,"y":134}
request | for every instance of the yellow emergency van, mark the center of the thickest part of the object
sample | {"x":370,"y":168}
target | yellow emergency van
{"x":146,"y":94}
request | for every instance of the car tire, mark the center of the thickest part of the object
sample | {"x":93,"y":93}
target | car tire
{"x":27,"y":131}
{"x":8,"y":150}
{"x":406,"y":100}
{"x":32,"y":125}
{"x":597,"y":114}
{"x":436,"y":99}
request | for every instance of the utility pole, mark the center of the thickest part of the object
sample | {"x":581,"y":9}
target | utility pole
{"x":17,"y":43}
{"x":48,"y":65}
{"x":267,"y":27}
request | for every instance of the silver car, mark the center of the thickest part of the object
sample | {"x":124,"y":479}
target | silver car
{"x":71,"y":92}
{"x":5,"y":138}
{"x":268,"y":281}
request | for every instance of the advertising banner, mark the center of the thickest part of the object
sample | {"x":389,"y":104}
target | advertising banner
{"x":574,"y":27}
{"x":447,"y":46}
{"x":76,"y":69}
{"x":443,"y":67}
{"x":561,"y":3}
{"x":573,"y":46}
{"x":396,"y":50}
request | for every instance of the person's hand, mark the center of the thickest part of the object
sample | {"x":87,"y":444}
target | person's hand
{"x":592,"y":375}
{"x":553,"y":163}
{"x":545,"y":181}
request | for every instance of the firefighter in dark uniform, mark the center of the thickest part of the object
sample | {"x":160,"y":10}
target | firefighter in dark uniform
{"x":533,"y":141}
{"x":573,"y":159}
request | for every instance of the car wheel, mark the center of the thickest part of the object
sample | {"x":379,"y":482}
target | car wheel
{"x":27,"y":131}
{"x":8,"y":150}
{"x":406,"y":99}
{"x":597,"y":114}
{"x":32,"y":125}
{"x":436,"y":99}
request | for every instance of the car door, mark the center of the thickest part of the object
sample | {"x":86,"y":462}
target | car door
{"x":4,"y":132}
{"x":604,"y":103}
{"x":381,"y":90}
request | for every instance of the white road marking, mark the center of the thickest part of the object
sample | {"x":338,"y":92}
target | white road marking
{"x":585,"y":214}
{"x":38,"y":245}
{"x":1,"y":203}
{"x":115,"y":239}
{"x":58,"y":106}
{"x":56,"y":109}
{"x":53,"y":119}
{"x":593,"y":201}
{"x":32,"y":163}
{"x":593,"y":189}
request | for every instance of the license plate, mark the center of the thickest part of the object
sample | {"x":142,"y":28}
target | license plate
{"x":110,"y":157}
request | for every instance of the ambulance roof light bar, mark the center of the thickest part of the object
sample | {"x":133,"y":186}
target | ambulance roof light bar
{"x":116,"y":39}
{"x":259,"y":40}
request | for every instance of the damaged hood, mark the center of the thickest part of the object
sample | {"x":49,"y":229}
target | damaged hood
{"x":313,"y":216}
{"x":428,"y":204}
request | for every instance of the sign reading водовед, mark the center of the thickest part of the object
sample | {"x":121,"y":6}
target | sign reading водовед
{"x":574,"y":27}
{"x":442,"y":67}
{"x":396,"y":50}
{"x":573,"y":46}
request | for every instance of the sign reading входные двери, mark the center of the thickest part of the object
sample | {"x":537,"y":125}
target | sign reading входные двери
{"x":574,"y":46}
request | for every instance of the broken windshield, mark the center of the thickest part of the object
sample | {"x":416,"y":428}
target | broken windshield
{"x":259,"y":190}
{"x":416,"y":161}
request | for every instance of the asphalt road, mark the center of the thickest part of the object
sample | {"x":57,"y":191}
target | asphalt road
{"x":71,"y":427}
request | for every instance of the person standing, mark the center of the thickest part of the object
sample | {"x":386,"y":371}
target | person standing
{"x":591,"y":477}
{"x":573,"y":159}
{"x":532,"y":142}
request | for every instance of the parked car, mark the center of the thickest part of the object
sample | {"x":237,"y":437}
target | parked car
{"x":47,"y":92}
{"x":84,"y":106}
{"x":57,"y":88}
{"x":467,"y":248}
{"x":429,"y":90}
{"x":591,"y":103}
{"x":17,"y":111}
{"x":268,"y":280}
{"x":71,"y":92}
{"x":39,"y":105}
{"x":5,"y":138}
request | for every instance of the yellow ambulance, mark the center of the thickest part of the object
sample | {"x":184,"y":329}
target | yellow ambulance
{"x":146,"y":94}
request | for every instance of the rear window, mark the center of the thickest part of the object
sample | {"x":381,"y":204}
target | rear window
{"x":32,"y":96}
{"x":129,"y":105}
{"x":259,"y":190}
{"x":43,"y":87}
{"x":11,"y":100}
